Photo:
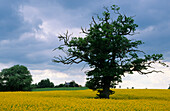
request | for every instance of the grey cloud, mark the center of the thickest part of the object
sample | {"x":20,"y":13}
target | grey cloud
{"x":68,"y":16}
{"x":29,"y":28}
{"x":11,"y":24}
{"x":157,"y":40}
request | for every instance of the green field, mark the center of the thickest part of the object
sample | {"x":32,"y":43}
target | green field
{"x":62,"y":88}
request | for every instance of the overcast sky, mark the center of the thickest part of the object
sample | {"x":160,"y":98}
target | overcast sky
{"x":29,"y":30}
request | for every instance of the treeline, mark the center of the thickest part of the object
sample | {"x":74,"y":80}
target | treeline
{"x":46,"y":83}
{"x":43,"y":84}
{"x":19,"y":78}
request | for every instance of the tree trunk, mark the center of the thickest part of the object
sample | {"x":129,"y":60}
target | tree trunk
{"x":106,"y":87}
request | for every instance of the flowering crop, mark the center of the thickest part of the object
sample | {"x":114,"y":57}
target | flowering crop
{"x":84,"y":100}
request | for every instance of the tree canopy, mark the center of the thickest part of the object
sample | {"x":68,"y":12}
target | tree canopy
{"x":107,"y":50}
{"x":16,"y":78}
{"x":45,"y":83}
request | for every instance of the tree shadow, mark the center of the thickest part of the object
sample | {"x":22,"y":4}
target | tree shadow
{"x":131,"y":97}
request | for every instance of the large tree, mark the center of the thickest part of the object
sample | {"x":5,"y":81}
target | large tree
{"x":108,"y":51}
{"x":16,"y":78}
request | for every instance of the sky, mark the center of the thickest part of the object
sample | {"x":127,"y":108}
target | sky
{"x":29,"y":30}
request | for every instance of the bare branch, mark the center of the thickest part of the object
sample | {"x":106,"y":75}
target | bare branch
{"x":55,"y":49}
{"x":136,"y":51}
{"x":67,"y":60}
{"x":65,"y":38}
{"x":94,"y":20}
{"x":84,"y":31}
{"x":144,"y":73}
{"x":83,"y":66}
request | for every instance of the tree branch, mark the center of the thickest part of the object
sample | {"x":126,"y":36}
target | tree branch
{"x":84,"y":31}
{"x":94,"y":20}
{"x":144,"y":73}
{"x":65,"y":38}
{"x":65,"y":60}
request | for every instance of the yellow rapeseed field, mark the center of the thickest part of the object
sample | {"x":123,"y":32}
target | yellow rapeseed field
{"x":83,"y":100}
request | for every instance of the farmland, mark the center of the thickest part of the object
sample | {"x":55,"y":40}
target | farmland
{"x":61,"y":100}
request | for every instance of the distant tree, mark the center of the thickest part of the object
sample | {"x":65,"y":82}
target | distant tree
{"x":16,"y":78}
{"x":34,"y":85}
{"x":108,"y":50}
{"x":61,"y":85}
{"x":73,"y":84}
{"x":45,"y":84}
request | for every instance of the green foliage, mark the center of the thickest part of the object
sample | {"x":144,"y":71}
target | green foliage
{"x":108,"y":51}
{"x":73,"y":84}
{"x":33,"y":86}
{"x":16,"y":78}
{"x":45,"y":84}
{"x":60,"y":85}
